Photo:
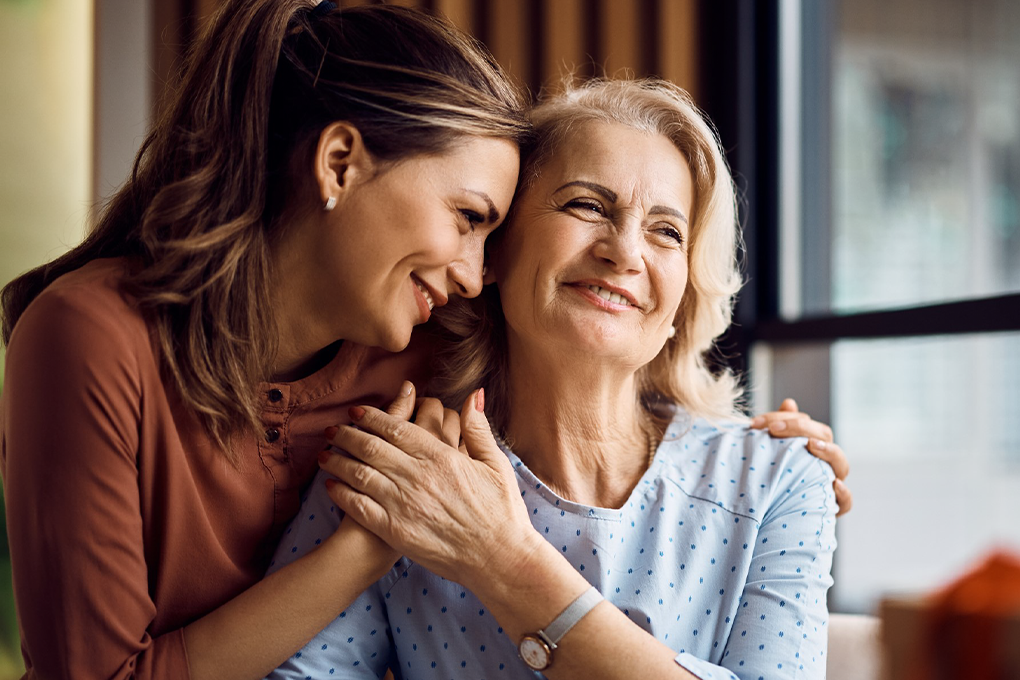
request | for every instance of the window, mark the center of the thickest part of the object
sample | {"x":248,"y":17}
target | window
{"x":880,"y":146}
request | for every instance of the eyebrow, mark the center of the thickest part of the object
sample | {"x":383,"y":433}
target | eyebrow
{"x":611,"y":196}
{"x":493,"y":215}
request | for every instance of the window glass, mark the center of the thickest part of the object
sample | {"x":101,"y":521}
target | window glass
{"x":932,"y":432}
{"x":925,"y":156}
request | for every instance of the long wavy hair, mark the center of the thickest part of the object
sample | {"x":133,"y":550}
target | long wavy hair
{"x":472,"y":350}
{"x":220,"y":169}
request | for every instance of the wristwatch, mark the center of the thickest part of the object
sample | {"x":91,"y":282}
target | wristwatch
{"x":536,"y":649}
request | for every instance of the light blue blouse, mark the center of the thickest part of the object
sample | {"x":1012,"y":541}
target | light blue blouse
{"x":722,"y":552}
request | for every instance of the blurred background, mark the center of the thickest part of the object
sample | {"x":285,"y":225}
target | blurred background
{"x":877,"y":145}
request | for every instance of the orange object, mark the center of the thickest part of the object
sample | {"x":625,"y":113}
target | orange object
{"x":968,"y":629}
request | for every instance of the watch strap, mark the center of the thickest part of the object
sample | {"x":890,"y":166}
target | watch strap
{"x":569,"y":617}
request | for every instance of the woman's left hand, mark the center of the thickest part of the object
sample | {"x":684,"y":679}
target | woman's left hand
{"x":788,"y":421}
{"x":457,"y":514}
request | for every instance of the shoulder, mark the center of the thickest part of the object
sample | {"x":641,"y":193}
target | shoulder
{"x":734,"y":467}
{"x":86,"y":304}
{"x":81,"y":332}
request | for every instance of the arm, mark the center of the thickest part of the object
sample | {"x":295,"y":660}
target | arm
{"x":71,"y":413}
{"x":780,"y":628}
{"x":358,"y":639}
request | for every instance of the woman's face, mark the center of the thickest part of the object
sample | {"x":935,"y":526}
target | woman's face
{"x":595,"y":260}
{"x":409,"y":237}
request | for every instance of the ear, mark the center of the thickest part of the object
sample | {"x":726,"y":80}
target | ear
{"x":341,"y":160}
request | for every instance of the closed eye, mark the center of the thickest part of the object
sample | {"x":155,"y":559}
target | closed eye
{"x":473,"y":218}
{"x":586,"y":204}
{"x":671,"y":232}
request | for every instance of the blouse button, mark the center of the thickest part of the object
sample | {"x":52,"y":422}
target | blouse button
{"x":275,"y":395}
{"x":272,"y":434}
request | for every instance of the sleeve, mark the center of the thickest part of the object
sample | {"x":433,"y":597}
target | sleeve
{"x":780,"y":628}
{"x":358,"y":643}
{"x":71,"y":413}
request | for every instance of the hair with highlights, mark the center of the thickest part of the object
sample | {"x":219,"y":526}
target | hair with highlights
{"x":222,"y":169}
{"x":473,"y":353}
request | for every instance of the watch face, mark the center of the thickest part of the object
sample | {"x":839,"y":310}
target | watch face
{"x":534,"y":652}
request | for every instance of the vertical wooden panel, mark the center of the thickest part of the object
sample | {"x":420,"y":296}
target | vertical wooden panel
{"x":406,"y":3}
{"x":509,"y":36}
{"x":460,"y":12}
{"x":678,"y":43}
{"x":563,"y":40}
{"x":619,"y":35}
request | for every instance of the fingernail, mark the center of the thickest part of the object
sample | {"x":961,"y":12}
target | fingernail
{"x":331,"y":431}
{"x":324,"y":455}
{"x":330,"y":483}
{"x":779,"y":426}
{"x":406,"y":388}
{"x":819,"y":444}
{"x":356,"y":413}
{"x":758,"y":421}
{"x":480,"y":400}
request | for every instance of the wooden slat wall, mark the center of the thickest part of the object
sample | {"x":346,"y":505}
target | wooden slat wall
{"x":537,"y":41}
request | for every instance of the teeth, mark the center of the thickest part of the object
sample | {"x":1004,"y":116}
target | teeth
{"x":425,"y":293}
{"x":615,"y":298}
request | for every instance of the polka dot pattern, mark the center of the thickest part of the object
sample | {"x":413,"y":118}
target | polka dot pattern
{"x":722,"y":552}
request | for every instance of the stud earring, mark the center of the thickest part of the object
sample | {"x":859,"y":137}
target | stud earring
{"x":330,"y":203}
{"x":672,"y":332}
{"x":485,"y":269}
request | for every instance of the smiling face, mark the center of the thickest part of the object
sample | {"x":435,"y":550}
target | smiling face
{"x":595,"y":260}
{"x":404,"y":239}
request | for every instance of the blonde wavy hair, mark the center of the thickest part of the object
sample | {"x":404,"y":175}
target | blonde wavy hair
{"x":471,"y":350}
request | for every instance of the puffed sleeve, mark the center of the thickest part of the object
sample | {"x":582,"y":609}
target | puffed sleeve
{"x":780,"y":629}
{"x":358,"y":643}
{"x":71,"y":414}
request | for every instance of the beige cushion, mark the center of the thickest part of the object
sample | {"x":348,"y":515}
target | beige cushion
{"x":855,"y":652}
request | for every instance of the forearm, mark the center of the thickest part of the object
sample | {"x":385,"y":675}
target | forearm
{"x":527,"y":593}
{"x":262,"y":627}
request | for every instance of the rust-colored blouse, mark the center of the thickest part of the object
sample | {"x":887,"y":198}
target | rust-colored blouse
{"x":125,"y":521}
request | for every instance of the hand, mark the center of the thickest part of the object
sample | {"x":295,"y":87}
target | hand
{"x":788,"y":421}
{"x":402,"y":408}
{"x":457,"y":515}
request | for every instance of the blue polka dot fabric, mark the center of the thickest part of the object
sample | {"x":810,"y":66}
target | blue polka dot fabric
{"x":723,"y":552}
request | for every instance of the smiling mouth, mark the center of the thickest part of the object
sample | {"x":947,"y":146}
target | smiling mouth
{"x":425,"y":294}
{"x":610,"y":296}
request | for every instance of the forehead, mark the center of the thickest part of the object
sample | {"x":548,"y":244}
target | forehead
{"x":627,"y":158}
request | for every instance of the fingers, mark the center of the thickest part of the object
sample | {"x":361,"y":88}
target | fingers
{"x":359,"y":507}
{"x":792,"y":424}
{"x":441,"y":422}
{"x":474,"y":428}
{"x":832,"y":454}
{"x":408,"y":438}
{"x":403,"y":406}
{"x":844,"y":499}
{"x":355,"y":474}
{"x":788,"y":405}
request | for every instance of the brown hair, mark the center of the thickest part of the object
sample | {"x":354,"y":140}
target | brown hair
{"x":213,"y":177}
{"x":473,"y":350}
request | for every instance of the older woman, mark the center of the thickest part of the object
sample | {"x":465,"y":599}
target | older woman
{"x":642,"y":530}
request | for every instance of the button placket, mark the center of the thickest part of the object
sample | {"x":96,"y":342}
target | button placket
{"x":275,"y":411}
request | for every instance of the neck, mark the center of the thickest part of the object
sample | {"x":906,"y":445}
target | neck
{"x":304,"y":342}
{"x":578,"y":425}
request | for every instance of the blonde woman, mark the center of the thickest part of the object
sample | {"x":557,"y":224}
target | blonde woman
{"x":625,"y":521}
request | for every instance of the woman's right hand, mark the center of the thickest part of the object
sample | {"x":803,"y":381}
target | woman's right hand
{"x":460,"y":516}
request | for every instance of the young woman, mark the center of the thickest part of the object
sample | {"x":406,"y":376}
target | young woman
{"x":320,"y":182}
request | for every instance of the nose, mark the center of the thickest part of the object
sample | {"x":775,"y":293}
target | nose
{"x":465,"y":273}
{"x":622,"y":248}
